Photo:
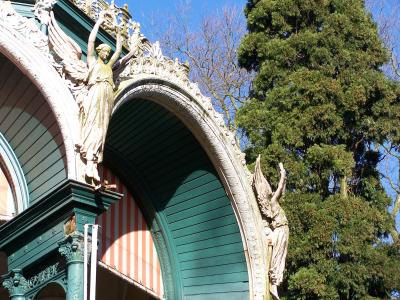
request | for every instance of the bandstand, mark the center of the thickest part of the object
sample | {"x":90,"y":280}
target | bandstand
{"x":177,"y":214}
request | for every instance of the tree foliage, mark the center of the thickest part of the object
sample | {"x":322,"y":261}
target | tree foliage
{"x":321,"y":104}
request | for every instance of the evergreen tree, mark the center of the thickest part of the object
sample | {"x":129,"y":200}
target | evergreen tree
{"x":317,"y":102}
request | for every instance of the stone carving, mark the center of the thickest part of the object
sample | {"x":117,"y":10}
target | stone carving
{"x":24,"y":26}
{"x":42,"y":10}
{"x":94,"y":8}
{"x":15,"y":283}
{"x":223,"y":144}
{"x":70,"y":225}
{"x":44,"y":275}
{"x":276,"y":227}
{"x":92,"y":85}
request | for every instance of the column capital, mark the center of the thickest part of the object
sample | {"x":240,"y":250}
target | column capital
{"x":15,"y":283}
{"x":72,"y":248}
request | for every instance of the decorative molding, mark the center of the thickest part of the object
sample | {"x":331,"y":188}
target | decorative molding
{"x":44,"y":276}
{"x":72,"y":248}
{"x":27,"y":47}
{"x":27,"y":28}
{"x":93,"y":8}
{"x":15,"y":283}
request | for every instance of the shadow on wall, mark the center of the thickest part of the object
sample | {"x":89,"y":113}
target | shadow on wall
{"x":52,"y":291}
{"x":176,"y":186}
{"x":3,"y":270}
{"x":32,"y":130}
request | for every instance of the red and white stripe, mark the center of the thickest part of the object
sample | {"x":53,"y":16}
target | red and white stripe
{"x":126,"y":244}
{"x":7,"y":206}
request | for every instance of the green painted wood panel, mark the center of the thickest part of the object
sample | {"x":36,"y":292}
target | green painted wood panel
{"x":32,"y":131}
{"x":161,"y":154}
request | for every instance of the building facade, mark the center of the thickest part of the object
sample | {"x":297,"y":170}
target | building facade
{"x":176,"y":211}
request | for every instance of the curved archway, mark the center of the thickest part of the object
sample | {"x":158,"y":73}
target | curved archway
{"x":32,"y":131}
{"x":195,"y":111}
{"x":52,"y":291}
{"x":9,"y":163}
{"x":38,"y":69}
{"x":219,"y":155}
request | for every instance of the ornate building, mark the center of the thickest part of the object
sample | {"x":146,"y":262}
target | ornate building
{"x":173,"y":199}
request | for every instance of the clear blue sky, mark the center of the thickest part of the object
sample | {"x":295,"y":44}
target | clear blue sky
{"x":144,"y":11}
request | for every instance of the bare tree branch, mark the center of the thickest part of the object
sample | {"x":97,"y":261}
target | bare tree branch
{"x":211,"y":51}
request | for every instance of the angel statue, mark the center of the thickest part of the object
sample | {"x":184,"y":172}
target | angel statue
{"x":276,"y":227}
{"x":92,"y":85}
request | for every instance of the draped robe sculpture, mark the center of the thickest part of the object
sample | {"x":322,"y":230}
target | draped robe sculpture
{"x":92,"y":83}
{"x":97,"y":105}
{"x":276,"y":227}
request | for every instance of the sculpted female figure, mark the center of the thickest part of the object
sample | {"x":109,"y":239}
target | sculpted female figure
{"x":98,"y":104}
{"x":275,"y":223}
{"x":92,"y":83}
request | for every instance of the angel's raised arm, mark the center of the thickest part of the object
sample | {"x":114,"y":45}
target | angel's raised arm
{"x":92,"y":38}
{"x":118,"y":49}
{"x":281,"y":186}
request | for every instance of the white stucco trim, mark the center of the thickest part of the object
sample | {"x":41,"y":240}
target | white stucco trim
{"x":37,"y":67}
{"x":220,"y":146}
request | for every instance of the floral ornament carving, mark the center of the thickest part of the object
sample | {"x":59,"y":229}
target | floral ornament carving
{"x":72,"y":248}
{"x":15,"y":283}
{"x":44,"y":276}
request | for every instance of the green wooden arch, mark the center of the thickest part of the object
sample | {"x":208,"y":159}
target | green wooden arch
{"x":185,"y":204}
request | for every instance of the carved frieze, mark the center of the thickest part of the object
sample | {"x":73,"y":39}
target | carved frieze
{"x":23,"y":26}
{"x":44,"y":276}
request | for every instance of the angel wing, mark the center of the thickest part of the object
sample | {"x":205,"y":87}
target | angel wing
{"x":67,"y":51}
{"x":260,"y":184}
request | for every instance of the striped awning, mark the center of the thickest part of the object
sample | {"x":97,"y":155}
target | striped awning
{"x":126,"y":245}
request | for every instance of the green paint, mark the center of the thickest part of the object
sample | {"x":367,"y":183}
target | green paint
{"x":32,"y":134}
{"x":72,"y":249}
{"x":182,"y":199}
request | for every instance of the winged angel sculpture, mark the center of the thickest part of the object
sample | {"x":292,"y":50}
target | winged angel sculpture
{"x":92,"y":83}
{"x":276,"y":227}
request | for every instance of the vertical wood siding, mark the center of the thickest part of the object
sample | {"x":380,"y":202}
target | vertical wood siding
{"x":28,"y":124}
{"x":126,"y":244}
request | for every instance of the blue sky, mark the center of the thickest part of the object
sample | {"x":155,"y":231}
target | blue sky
{"x":144,"y":11}
{"x":147,"y":11}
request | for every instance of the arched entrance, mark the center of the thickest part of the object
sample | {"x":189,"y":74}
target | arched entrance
{"x":52,"y":291}
{"x":29,"y":127}
{"x":184,"y":202}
